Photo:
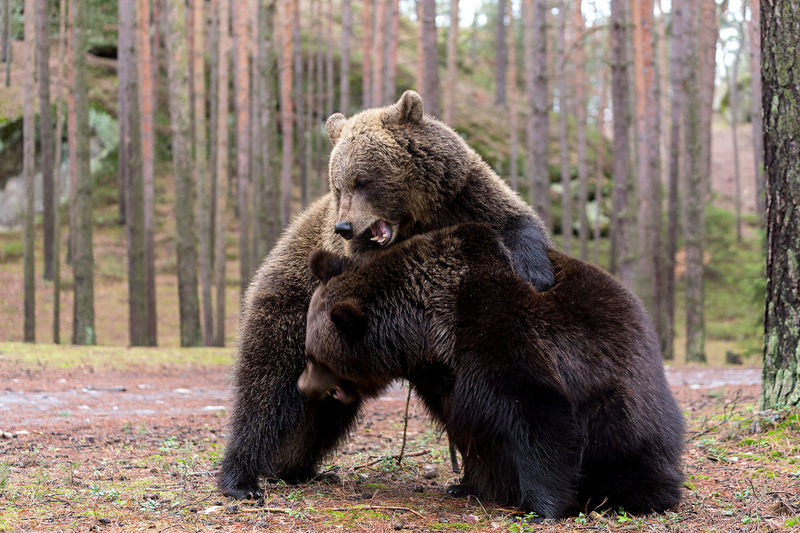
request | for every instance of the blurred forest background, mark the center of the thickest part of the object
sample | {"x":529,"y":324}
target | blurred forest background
{"x":151,"y":151}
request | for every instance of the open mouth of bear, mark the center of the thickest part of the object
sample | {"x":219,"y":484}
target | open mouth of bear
{"x":381,"y":232}
{"x":339,"y":393}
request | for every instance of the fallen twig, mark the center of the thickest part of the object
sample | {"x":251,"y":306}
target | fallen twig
{"x":405,"y":427}
{"x":379,"y":459}
{"x":282,"y":510}
{"x":374,"y":508}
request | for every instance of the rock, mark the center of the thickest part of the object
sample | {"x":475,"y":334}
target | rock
{"x":429,"y":472}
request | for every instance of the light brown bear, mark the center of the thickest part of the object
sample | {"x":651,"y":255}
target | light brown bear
{"x":394,"y":172}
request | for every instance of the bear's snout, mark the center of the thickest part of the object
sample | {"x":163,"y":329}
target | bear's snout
{"x":345,"y":229}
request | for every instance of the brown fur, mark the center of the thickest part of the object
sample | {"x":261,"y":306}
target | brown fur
{"x":394,"y":164}
{"x":557,"y":400}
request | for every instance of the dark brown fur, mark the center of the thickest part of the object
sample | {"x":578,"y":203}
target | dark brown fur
{"x":394,"y":164}
{"x":557,"y":399}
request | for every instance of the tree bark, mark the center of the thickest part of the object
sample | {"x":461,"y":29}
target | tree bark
{"x":287,"y":117}
{"x":781,"y":103}
{"x":733,"y":82}
{"x":147,"y":94}
{"x":7,"y":40}
{"x":29,"y":170}
{"x":366,"y":54}
{"x":430,"y":63}
{"x":378,"y":53}
{"x":83,"y":329}
{"x":347,"y":33}
{"x":240,"y":18}
{"x":330,"y":74}
{"x":537,"y":139}
{"x":221,"y":171}
{"x":622,"y":234}
{"x":59,"y":97}
{"x":393,"y":25}
{"x":580,"y":131}
{"x":563,"y":112}
{"x":756,"y":112}
{"x":46,"y":130}
{"x":452,"y":51}
{"x":501,"y":58}
{"x":179,"y":105}
{"x":709,"y":35}
{"x":601,"y":150}
{"x":513,"y":116}
{"x":693,"y":200}
{"x":131,"y":145}
{"x":299,"y":104}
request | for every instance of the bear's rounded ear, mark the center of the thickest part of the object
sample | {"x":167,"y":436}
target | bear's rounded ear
{"x":349,"y":318}
{"x":408,"y":109}
{"x":325,"y":265}
{"x":334,"y":126}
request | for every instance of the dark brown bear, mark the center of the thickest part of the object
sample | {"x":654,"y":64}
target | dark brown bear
{"x":557,"y":399}
{"x":394,"y":172}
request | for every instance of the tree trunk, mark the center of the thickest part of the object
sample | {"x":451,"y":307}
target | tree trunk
{"x":330,"y":74}
{"x":72,"y":132}
{"x":513,"y":116}
{"x":676,"y":161}
{"x":580,"y":132}
{"x":709,"y":34}
{"x":430,"y":63}
{"x":563,"y":112}
{"x":393,"y":28}
{"x":452,"y":51}
{"x":7,"y":40}
{"x":347,"y":33}
{"x":240,"y":18}
{"x":734,"y":106}
{"x":781,"y":101}
{"x":378,"y":53}
{"x":537,"y":165}
{"x":299,"y":104}
{"x":29,"y":170}
{"x":693,"y":199}
{"x":83,"y":330}
{"x":649,"y":264}
{"x":179,"y":105}
{"x":147,"y":96}
{"x":131,"y":146}
{"x":622,"y":234}
{"x":221,"y":171}
{"x":366,"y":54}
{"x":501,"y":57}
{"x":287,"y":116}
{"x":46,"y":130}
{"x":59,"y":97}
{"x":755,"y":106}
{"x":601,"y":150}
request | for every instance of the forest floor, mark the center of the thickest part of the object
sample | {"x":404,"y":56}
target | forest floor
{"x":118,"y":439}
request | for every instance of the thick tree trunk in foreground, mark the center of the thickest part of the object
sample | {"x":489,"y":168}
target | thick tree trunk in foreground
{"x":131,"y":146}
{"x":430,"y":62}
{"x":83,"y":330}
{"x":781,"y":99}
{"x":622,"y":231}
{"x":221,"y":171}
{"x":29,"y":170}
{"x":756,"y":113}
{"x":179,"y":106}
{"x":694,"y":197}
{"x":46,"y":130}
{"x":452,"y":54}
{"x":501,"y":57}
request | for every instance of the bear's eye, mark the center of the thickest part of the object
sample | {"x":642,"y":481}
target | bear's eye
{"x":360,"y":183}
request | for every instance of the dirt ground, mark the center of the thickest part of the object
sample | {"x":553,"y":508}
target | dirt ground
{"x":113,"y":450}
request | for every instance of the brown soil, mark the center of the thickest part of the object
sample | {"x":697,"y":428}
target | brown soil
{"x":84,"y":449}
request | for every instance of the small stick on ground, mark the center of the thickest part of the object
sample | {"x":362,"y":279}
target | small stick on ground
{"x":405,"y":427}
{"x":374,"y":508}
{"x":379,"y":459}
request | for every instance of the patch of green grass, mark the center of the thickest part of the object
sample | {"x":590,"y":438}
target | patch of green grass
{"x":11,"y":250}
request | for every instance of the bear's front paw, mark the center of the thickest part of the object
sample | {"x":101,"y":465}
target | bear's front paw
{"x":460,"y":490}
{"x":246,"y":493}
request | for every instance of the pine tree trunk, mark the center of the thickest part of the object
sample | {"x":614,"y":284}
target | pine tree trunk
{"x":709,"y":35}
{"x":7,"y":40}
{"x":756,"y":112}
{"x":287,"y":116}
{"x":242,"y":87}
{"x":299,"y":104}
{"x":601,"y":150}
{"x":347,"y":33}
{"x":390,"y":50}
{"x":83,"y":329}
{"x":29,"y":170}
{"x":59,"y":145}
{"x":452,"y":51}
{"x":622,"y":232}
{"x":330,"y":74}
{"x":580,"y":132}
{"x":179,"y":106}
{"x":676,"y":161}
{"x":563,"y":144}
{"x":501,"y":58}
{"x":781,"y":101}
{"x":649,"y":264}
{"x":734,"y":106}
{"x":46,"y":130}
{"x":366,"y":54}
{"x":72,"y":132}
{"x":693,"y":199}
{"x":146,"y":100}
{"x":131,"y":145}
{"x":537,"y":166}
{"x":430,"y":63}
{"x":221,"y":171}
{"x":513,"y":115}
{"x":378,"y":53}
{"x":267,"y":217}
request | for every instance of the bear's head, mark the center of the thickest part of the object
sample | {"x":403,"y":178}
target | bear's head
{"x":393,"y":171}
{"x":353,"y":348}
